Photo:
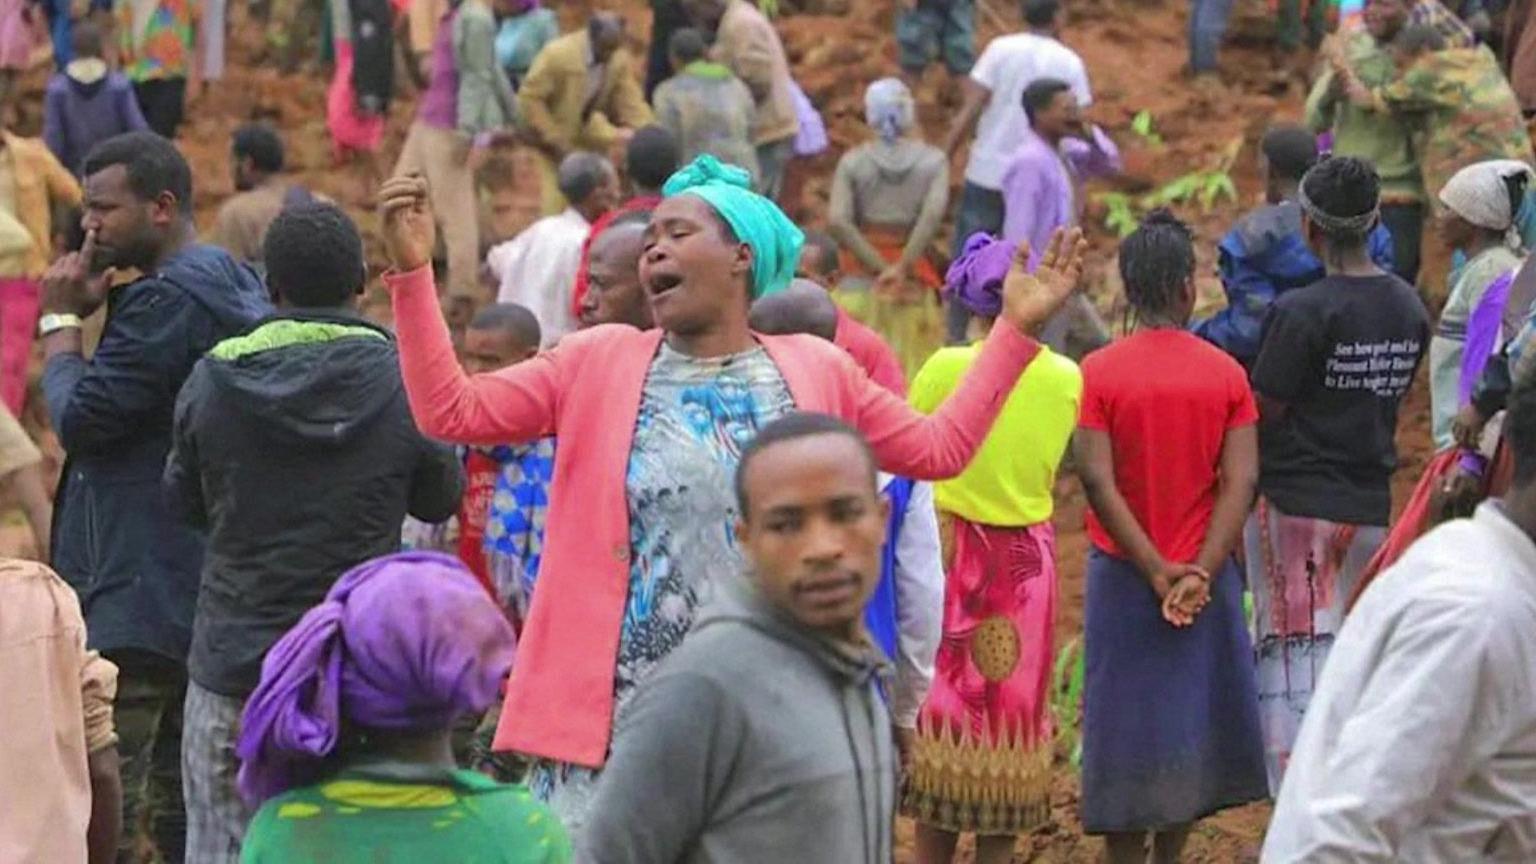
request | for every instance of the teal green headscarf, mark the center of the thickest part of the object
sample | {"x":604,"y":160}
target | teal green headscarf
{"x":757,"y":221}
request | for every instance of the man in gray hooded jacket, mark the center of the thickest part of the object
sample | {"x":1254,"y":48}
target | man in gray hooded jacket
{"x":763,"y":738}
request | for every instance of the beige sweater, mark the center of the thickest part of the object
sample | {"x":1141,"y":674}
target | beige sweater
{"x":748,"y":44}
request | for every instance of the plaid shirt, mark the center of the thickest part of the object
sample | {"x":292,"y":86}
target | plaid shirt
{"x":1432,"y":13}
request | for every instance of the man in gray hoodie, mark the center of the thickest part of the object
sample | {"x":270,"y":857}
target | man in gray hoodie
{"x":763,"y":737}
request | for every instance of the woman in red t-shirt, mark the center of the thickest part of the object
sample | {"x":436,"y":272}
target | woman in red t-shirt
{"x":1168,"y":454}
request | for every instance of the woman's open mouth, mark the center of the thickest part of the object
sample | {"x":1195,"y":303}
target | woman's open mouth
{"x":662,"y":283}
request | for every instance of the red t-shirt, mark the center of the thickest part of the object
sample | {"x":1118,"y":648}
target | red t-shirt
{"x":873,"y":355}
{"x":480,"y":473}
{"x":1166,"y":398}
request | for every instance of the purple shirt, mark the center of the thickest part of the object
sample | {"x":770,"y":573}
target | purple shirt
{"x":440,"y":103}
{"x":1040,"y":187}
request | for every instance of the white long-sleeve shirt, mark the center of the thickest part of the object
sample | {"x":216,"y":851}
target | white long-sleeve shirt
{"x":1420,"y":742}
{"x":919,"y":603}
{"x":537,"y":270}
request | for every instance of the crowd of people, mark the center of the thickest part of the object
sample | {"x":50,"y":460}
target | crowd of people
{"x":669,"y":529}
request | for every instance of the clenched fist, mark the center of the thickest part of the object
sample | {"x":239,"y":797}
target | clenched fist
{"x":410,"y":230}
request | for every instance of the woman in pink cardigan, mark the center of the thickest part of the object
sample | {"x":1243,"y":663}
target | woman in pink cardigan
{"x":651,"y":425}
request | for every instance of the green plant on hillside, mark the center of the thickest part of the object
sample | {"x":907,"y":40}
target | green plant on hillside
{"x":1067,"y":701}
{"x":1142,"y":125}
{"x":1206,"y":188}
{"x":1120,"y":213}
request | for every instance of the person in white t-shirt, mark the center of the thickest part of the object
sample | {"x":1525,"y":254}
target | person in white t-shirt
{"x":537,"y":268}
{"x":994,"y":93}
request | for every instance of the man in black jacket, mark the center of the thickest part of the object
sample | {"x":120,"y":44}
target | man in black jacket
{"x":295,"y":449}
{"x":133,"y":564}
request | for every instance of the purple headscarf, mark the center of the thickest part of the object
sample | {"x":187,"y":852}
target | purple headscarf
{"x":976,"y":277}
{"x":407,"y":641}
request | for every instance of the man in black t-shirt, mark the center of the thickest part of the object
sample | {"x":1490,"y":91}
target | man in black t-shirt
{"x":1335,"y":360}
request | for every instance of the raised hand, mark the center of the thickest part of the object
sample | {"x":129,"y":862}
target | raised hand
{"x":410,"y":232}
{"x":1030,"y":299}
{"x":69,"y":287}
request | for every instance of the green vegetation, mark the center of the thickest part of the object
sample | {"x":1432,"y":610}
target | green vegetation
{"x":1067,"y":701}
{"x":1206,"y":187}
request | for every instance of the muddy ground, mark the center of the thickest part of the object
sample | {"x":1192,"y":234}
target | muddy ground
{"x":1134,"y":50}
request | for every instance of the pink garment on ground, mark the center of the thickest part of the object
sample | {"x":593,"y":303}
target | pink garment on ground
{"x":350,"y":130}
{"x":587,"y":390}
{"x":18,"y":320}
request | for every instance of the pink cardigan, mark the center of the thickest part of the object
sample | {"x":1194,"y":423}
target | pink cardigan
{"x":587,"y":390}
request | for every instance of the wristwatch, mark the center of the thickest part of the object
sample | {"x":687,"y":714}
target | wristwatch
{"x":53,"y":322}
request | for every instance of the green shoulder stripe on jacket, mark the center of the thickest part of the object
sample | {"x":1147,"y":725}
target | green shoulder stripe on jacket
{"x":285,"y":333}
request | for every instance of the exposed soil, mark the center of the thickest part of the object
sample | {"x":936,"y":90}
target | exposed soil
{"x":1134,"y":50}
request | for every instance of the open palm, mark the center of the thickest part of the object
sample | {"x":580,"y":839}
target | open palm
{"x":1030,"y":299}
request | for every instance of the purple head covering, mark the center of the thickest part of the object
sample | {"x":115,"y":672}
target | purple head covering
{"x":976,"y":277}
{"x":407,"y":641}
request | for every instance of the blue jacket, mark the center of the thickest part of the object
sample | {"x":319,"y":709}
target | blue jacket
{"x":1262,"y":257}
{"x":115,"y":540}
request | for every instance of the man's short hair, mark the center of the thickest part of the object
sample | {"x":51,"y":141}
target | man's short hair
{"x":651,"y":157}
{"x":259,"y":143}
{"x":154,"y":166}
{"x":85,"y":38}
{"x":827,"y":251}
{"x":314,"y":256}
{"x":1040,"y":13}
{"x":686,"y":45}
{"x":580,"y":173}
{"x":603,"y":22}
{"x":792,"y":427}
{"x":803,"y":307}
{"x":1040,"y":93}
{"x":632,"y":217}
{"x":511,"y":318}
{"x":1291,"y":150}
{"x":629,"y":219}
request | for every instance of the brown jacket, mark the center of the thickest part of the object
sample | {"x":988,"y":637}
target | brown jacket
{"x":41,"y":182}
{"x":553,"y":96}
{"x":748,"y":44}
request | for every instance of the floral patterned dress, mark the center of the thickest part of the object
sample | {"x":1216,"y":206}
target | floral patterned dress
{"x":695,"y":417}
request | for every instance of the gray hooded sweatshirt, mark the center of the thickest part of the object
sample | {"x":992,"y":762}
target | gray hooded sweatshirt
{"x":755,"y":741}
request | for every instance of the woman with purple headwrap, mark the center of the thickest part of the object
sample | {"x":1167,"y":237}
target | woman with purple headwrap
{"x":345,"y":743}
{"x":982,"y":759}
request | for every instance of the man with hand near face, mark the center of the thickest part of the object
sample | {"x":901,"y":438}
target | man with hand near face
{"x":1043,"y":191}
{"x":134,"y":565}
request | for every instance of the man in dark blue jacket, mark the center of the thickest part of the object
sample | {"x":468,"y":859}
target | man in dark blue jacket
{"x":295,"y":448}
{"x":1265,"y":254}
{"x":134,"y":565}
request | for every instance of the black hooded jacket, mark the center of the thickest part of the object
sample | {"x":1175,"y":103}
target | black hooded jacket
{"x":294,"y":447}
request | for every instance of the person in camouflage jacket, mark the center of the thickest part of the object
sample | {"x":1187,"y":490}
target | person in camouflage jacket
{"x":1458,"y":102}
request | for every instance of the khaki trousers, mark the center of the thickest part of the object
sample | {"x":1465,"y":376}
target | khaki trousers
{"x":440,"y":155}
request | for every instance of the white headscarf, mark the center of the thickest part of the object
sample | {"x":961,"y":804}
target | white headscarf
{"x":1480,"y":194}
{"x":888,"y":107}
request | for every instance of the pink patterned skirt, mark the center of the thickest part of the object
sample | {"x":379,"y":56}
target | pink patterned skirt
{"x":982,"y":762}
